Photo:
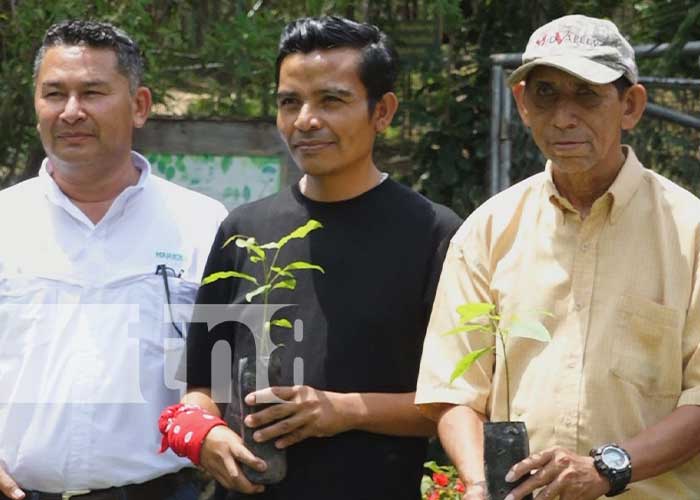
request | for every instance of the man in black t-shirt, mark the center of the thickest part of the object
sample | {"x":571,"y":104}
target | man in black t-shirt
{"x":351,"y":430}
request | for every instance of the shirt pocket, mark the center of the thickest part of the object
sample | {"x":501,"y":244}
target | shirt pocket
{"x":647,"y":347}
{"x":149,"y":292}
{"x":25,"y":303}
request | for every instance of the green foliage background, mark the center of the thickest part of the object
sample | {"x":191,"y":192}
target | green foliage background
{"x":222,"y":52}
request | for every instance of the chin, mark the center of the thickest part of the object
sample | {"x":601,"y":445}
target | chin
{"x":314,"y":168}
{"x":571,"y":165}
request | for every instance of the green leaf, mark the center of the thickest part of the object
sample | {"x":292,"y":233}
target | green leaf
{"x":261,"y":289}
{"x":233,"y":238}
{"x":228,"y":274}
{"x":300,"y":232}
{"x":284,"y":323}
{"x":529,"y":330}
{"x":467,"y":361}
{"x":425,"y":484}
{"x":247,"y":242}
{"x":467,"y":328}
{"x":244,"y":242}
{"x":473,"y":310}
{"x":256,"y":250}
{"x":432,"y":466}
{"x":255,"y":259}
{"x":289,"y":284}
{"x":282,"y":272}
{"x":302,"y":265}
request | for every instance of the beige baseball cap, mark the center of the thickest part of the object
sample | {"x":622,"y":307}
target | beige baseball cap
{"x":591,"y":49}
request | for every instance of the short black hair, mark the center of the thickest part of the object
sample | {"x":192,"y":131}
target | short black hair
{"x":622,"y":84}
{"x":379,"y":61}
{"x":97,"y":35}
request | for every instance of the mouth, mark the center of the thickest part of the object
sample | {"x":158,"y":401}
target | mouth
{"x":311,"y":146}
{"x":568,"y":145}
{"x":74,"y":136}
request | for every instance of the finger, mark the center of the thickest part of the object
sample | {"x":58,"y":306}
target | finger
{"x":536,"y":461}
{"x":270,"y":414}
{"x":538,"y":479}
{"x":244,"y":455}
{"x":271,"y":395}
{"x":292,"y":438}
{"x":281,"y":427}
{"x":8,"y":487}
{"x":237,"y":479}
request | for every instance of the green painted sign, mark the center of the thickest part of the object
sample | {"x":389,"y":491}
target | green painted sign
{"x":233,"y":180}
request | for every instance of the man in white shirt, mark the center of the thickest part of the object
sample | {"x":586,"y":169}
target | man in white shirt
{"x":93,"y":251}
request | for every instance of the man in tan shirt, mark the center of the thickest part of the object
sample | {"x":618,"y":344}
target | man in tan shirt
{"x":612,"y":250}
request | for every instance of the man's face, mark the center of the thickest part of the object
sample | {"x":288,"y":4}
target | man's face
{"x":85,"y":111}
{"x":575,"y":124}
{"x":322,"y":112}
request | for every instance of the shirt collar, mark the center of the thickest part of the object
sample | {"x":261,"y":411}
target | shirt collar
{"x":52,"y":189}
{"x":620,"y":191}
{"x":58,"y":197}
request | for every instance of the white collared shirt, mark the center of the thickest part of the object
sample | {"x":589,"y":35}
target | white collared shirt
{"x":86,"y":347}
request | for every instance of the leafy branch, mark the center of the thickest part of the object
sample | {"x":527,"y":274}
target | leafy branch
{"x":480,"y":317}
{"x":274,"y":277}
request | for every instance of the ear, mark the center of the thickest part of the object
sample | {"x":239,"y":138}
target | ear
{"x":519,"y":95}
{"x":384,"y":111}
{"x":142,"y":101}
{"x":633,"y":103}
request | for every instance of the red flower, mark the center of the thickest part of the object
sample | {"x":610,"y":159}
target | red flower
{"x":435,"y":495}
{"x":440,"y":479}
{"x":459,"y":486}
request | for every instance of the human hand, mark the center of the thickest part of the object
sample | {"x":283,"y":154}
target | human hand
{"x":560,"y":473}
{"x":306,"y":412}
{"x":221,"y":453}
{"x":8,"y":486}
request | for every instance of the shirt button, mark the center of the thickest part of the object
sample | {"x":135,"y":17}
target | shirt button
{"x":578,"y":307}
{"x":584,"y":247}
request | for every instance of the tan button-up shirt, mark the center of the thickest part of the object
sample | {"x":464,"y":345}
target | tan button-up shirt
{"x":623,"y":287}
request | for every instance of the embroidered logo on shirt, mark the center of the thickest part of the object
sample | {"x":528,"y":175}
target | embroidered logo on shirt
{"x":176,"y":257}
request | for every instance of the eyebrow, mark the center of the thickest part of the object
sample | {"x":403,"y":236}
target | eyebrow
{"x":327,"y":91}
{"x":89,"y":83}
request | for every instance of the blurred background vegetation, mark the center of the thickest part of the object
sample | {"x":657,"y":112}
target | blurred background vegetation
{"x":215,"y":59}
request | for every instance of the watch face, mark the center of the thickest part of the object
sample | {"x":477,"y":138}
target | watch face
{"x":614,"y":458}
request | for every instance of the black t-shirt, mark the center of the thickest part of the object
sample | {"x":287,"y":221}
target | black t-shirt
{"x":364,"y":320}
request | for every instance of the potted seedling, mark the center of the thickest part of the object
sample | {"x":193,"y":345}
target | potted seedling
{"x":264,"y":365}
{"x":505,"y":443}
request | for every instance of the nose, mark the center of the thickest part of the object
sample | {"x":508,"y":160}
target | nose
{"x":72,"y":111}
{"x":565,"y":114}
{"x":307,"y":119}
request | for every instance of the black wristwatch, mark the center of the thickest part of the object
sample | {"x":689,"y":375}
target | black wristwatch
{"x":613,"y":463}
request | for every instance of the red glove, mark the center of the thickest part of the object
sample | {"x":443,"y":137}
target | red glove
{"x":184,"y":428}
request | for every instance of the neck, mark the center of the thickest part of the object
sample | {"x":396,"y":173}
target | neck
{"x":93,"y":190}
{"x":582,"y":189}
{"x":340,"y":186}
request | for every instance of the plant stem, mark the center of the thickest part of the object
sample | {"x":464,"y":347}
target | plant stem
{"x":505,"y":363}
